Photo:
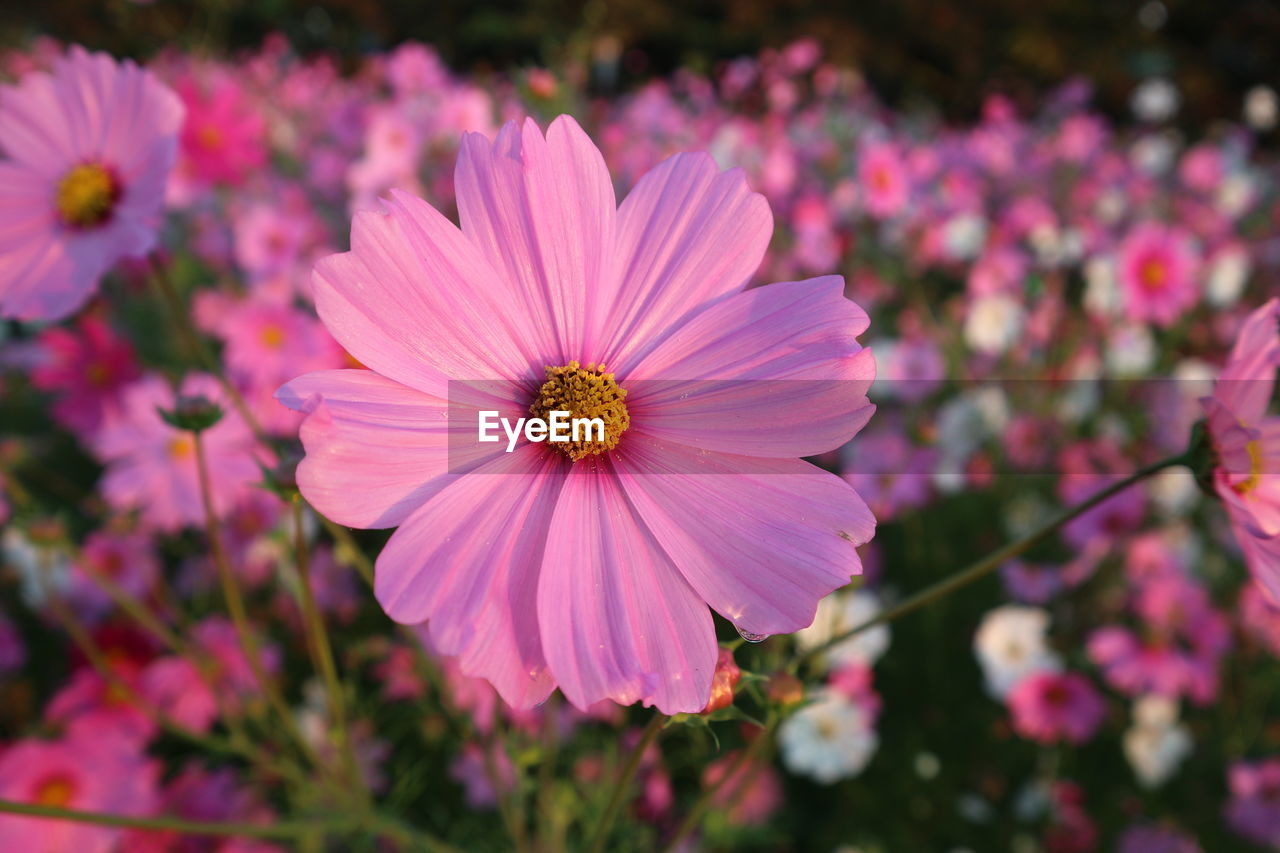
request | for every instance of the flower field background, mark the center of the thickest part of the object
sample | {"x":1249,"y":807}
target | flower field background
{"x":1069,"y":281}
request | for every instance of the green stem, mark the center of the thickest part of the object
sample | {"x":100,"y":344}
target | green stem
{"x":198,"y":350}
{"x":322,"y":651}
{"x":284,"y":830}
{"x":623,"y":786}
{"x":991,"y":562}
{"x":235,"y":604}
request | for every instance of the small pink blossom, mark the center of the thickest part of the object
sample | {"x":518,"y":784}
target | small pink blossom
{"x":1158,"y":269}
{"x":1056,"y":706}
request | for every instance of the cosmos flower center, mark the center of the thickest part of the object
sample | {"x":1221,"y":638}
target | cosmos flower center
{"x":272,"y":336}
{"x":584,"y":392}
{"x":209,"y":137}
{"x":181,"y":447}
{"x":1249,"y":483}
{"x":1152,"y":274}
{"x":55,"y":791}
{"x":87,"y":195}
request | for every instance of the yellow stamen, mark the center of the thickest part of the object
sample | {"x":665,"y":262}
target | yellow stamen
{"x":272,"y":336}
{"x":1250,"y":483}
{"x":1152,"y":274}
{"x":55,"y":792}
{"x":181,"y":447}
{"x":585,"y":393}
{"x":87,"y":196}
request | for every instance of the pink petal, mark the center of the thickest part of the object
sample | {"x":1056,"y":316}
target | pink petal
{"x":687,"y":234}
{"x":775,"y":371}
{"x":542,"y":211}
{"x":618,"y":621}
{"x":760,"y":540}
{"x":415,"y":301}
{"x":468,"y":559}
{"x":376,"y":449}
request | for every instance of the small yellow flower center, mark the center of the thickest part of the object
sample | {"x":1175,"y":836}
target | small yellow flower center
{"x":56,"y":792}
{"x":1250,"y":483}
{"x":181,"y":447}
{"x":209,"y":137}
{"x":87,"y":195}
{"x":584,"y":393}
{"x":272,"y":336}
{"x":1152,"y":274}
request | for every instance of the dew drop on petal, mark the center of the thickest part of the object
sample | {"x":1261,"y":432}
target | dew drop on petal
{"x":752,"y":638}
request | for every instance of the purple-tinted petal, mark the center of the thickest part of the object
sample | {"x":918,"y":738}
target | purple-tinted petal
{"x":415,"y":301}
{"x":542,"y":212}
{"x":467,"y":561}
{"x":375,"y":448}
{"x":775,"y":371}
{"x":760,"y":540}
{"x":688,"y":234}
{"x":618,"y":621}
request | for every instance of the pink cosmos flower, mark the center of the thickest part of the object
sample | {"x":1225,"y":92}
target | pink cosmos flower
{"x":224,"y":135}
{"x":1056,"y":706}
{"x":86,"y":367}
{"x":1246,"y":442}
{"x":1157,"y":267}
{"x":94,"y":773}
{"x":89,"y":146}
{"x":884,"y":180}
{"x":588,"y":566}
{"x":151,"y":466}
{"x":90,"y":705}
{"x":750,"y":796}
{"x":126,"y":560}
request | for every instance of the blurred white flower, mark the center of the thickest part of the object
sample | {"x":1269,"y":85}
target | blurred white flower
{"x":1156,"y":99}
{"x":1174,"y":491}
{"x":1102,"y":294}
{"x":1261,"y":108}
{"x":838,"y":612}
{"x":1228,"y":273}
{"x":1156,"y":744}
{"x":831,"y":739}
{"x":1010,"y":645}
{"x":1131,"y":350}
{"x":994,"y":323}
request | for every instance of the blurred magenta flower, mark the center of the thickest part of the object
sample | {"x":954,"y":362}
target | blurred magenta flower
{"x":151,"y":466}
{"x":1158,"y":266}
{"x":88,"y":149}
{"x":590,"y":571}
{"x":1050,"y":707}
{"x":82,"y":772}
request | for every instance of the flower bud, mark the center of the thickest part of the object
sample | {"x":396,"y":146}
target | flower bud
{"x":722,"y":682}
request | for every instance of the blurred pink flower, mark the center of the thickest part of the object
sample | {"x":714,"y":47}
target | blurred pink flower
{"x":1158,"y":268}
{"x":749,"y":796}
{"x":151,"y":466}
{"x":97,"y":772}
{"x":89,"y":146}
{"x":1253,"y":811}
{"x":594,"y":575}
{"x":224,"y":135}
{"x":1246,"y":442}
{"x":884,"y":180}
{"x":1049,"y":707}
{"x":85,"y":367}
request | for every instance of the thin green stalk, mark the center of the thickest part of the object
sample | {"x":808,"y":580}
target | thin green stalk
{"x":197,"y":349}
{"x":282,"y":830}
{"x":322,"y":653}
{"x":235,"y":604}
{"x":623,"y":786}
{"x":988,"y":564}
